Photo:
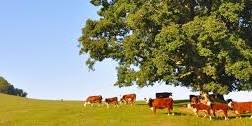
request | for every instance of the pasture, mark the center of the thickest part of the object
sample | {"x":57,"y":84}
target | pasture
{"x":17,"y":111}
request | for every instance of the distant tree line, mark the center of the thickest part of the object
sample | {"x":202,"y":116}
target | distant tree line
{"x":7,"y":88}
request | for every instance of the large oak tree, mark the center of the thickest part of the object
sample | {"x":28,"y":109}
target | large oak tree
{"x":202,"y":44}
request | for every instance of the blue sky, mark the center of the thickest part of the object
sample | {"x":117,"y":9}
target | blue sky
{"x":39,"y":53}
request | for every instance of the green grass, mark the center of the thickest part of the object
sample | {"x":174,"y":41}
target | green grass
{"x":16,"y":111}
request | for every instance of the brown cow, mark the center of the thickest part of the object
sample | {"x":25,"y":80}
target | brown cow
{"x":112,"y":101}
{"x":93,"y":99}
{"x":220,"y":106}
{"x":240,"y":107}
{"x":161,"y":103}
{"x":211,"y":106}
{"x":128,"y":98}
{"x":201,"y":107}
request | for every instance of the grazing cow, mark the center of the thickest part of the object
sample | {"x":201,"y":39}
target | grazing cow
{"x":93,"y":99}
{"x":201,"y":107}
{"x":128,"y":98}
{"x":163,"y":95}
{"x":161,"y":103}
{"x":220,"y":106}
{"x":112,"y":101}
{"x":240,"y":107}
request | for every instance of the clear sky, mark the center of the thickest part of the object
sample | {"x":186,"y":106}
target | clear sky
{"x":39,"y":53}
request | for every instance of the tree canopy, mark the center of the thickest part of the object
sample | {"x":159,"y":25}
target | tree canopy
{"x":202,"y":44}
{"x":7,"y":88}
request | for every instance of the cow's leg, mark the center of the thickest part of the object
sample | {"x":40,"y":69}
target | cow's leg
{"x":116,"y":105}
{"x":209,"y":114}
{"x":169,"y":111}
{"x":237,"y":114}
{"x":214,"y":113}
{"x":154,"y":110}
{"x":196,"y":113}
{"x":226,"y":115}
{"x":206,"y":113}
{"x":107,"y":105}
{"x":86,"y":103}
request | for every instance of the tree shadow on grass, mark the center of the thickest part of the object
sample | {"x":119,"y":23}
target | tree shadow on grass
{"x":242,"y":116}
{"x":141,"y":104}
{"x":177,"y":114}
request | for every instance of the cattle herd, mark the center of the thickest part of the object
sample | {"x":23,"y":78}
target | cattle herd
{"x":164,"y":100}
{"x":126,"y":99}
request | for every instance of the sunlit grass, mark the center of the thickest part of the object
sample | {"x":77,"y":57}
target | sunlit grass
{"x":16,"y":111}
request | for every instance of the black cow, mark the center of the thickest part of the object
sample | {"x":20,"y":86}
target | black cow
{"x":163,"y":94}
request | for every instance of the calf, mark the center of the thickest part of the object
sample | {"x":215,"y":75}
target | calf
{"x":240,"y":107}
{"x":161,"y":103}
{"x":128,"y":99}
{"x":112,"y":101}
{"x":92,"y":100}
{"x":220,"y":106}
{"x":201,"y":107}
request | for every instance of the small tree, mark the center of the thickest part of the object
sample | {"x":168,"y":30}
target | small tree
{"x":7,"y":88}
{"x":4,"y":85}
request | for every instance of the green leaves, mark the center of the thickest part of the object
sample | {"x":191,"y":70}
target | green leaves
{"x":231,"y":11}
{"x":205,"y":45}
{"x":240,"y":69}
{"x":170,"y":38}
{"x":215,"y":87}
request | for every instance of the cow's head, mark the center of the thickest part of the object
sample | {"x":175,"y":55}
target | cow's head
{"x":150,"y":102}
{"x":100,"y":96}
{"x":194,"y":100}
{"x":146,"y":100}
{"x":122,"y":101}
{"x":106,"y":100}
{"x":230,"y":103}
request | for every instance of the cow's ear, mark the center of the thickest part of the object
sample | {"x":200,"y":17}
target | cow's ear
{"x":229,"y":100}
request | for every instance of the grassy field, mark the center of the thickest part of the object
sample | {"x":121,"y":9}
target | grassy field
{"x":16,"y":111}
